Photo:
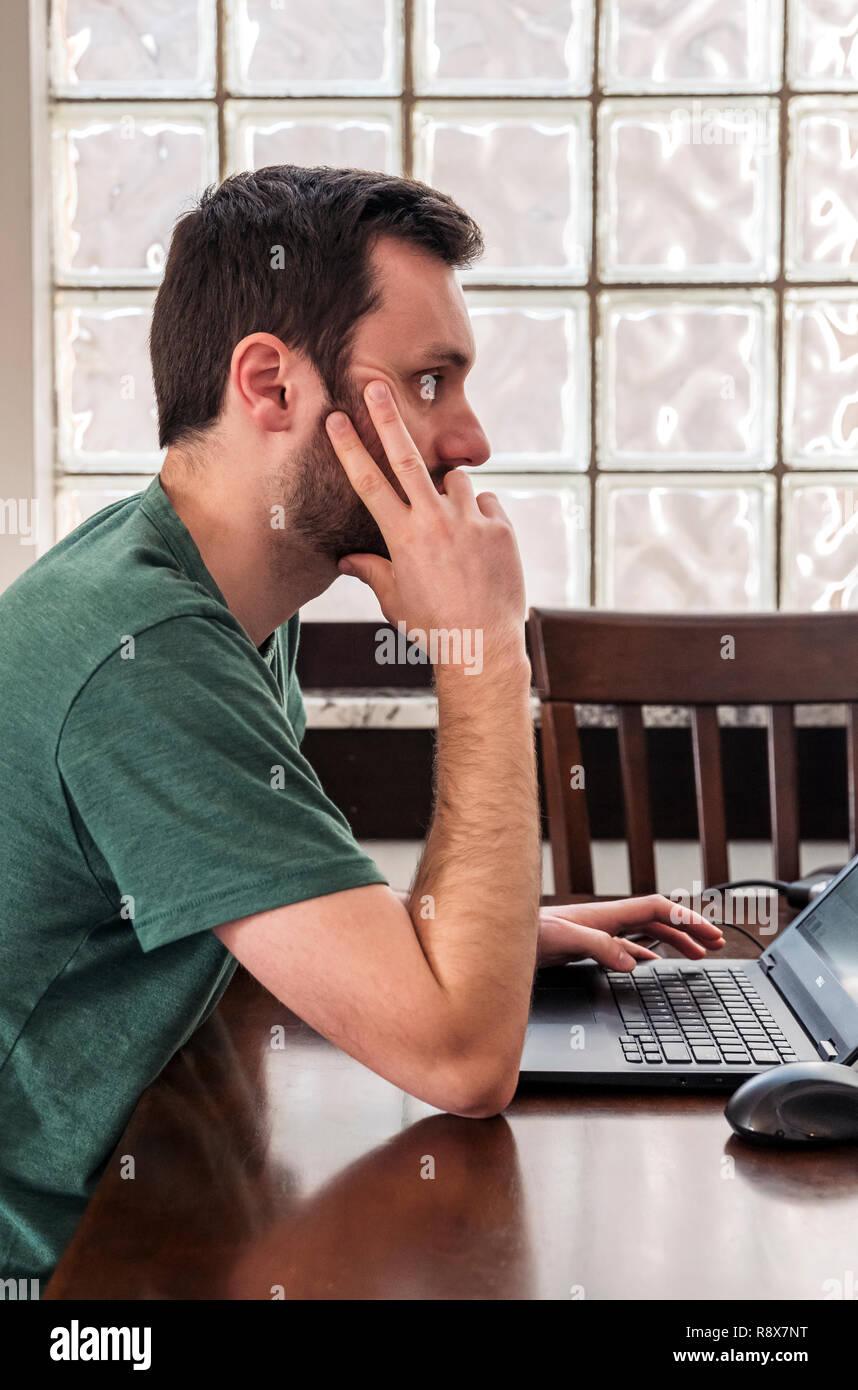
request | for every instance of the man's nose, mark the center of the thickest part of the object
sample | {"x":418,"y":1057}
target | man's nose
{"x":468,"y":446}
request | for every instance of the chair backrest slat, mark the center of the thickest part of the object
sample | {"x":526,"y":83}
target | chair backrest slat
{"x":635,"y":775}
{"x":566,"y":795}
{"x":783,"y":791}
{"x":709,"y":787}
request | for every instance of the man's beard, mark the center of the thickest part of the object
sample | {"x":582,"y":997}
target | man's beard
{"x":322,"y":505}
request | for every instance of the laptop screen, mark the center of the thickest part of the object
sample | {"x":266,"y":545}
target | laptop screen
{"x":814,"y":965}
{"x":833,"y":932}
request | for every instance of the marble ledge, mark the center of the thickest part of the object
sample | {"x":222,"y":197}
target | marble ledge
{"x":417,"y":709}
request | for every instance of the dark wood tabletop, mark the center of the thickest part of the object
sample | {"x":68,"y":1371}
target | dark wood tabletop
{"x":267,"y":1163}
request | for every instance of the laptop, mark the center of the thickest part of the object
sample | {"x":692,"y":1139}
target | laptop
{"x":710,"y":1023}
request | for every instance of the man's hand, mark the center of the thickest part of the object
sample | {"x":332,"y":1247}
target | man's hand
{"x":594,"y":930}
{"x":454,"y":565}
{"x":454,"y":561}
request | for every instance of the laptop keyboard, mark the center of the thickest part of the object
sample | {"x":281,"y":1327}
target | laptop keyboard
{"x":712,"y":1017}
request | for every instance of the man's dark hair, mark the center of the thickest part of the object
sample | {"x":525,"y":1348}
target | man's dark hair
{"x":284,"y":250}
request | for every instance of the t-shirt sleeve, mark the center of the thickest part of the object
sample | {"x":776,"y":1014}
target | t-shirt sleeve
{"x":197,"y":805}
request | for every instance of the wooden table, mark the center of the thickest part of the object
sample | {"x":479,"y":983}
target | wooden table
{"x":267,"y":1160}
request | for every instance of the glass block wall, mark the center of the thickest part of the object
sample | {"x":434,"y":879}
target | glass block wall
{"x":666,"y":316}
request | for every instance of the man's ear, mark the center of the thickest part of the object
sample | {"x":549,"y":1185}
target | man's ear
{"x":259,"y":373}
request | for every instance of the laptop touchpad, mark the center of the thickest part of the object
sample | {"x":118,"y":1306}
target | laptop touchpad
{"x":564,"y":1005}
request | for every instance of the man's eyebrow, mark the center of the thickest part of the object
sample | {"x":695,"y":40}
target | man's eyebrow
{"x":440,"y":352}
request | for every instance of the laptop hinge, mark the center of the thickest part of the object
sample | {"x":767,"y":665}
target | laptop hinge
{"x":826,"y":1049}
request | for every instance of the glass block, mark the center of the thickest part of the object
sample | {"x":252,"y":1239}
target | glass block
{"x":823,"y":45}
{"x":530,"y":382}
{"x":670,"y":46}
{"x":688,"y":192}
{"x":362,"y":135}
{"x":346,"y":47}
{"x":686,"y":381}
{"x":822,"y":189}
{"x":522,"y":170}
{"x":107,"y":421}
{"x":503,"y":48}
{"x":821,"y":378}
{"x":683,"y":545}
{"x":551,"y":517}
{"x":122,"y":174}
{"x":77,"y":499}
{"x":819,"y":567}
{"x":157,"y":48}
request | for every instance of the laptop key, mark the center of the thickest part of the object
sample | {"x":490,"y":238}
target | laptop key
{"x":706,"y":1054}
{"x":761,"y":1054}
{"x":676,"y":1052}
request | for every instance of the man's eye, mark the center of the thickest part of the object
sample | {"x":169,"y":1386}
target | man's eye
{"x":428,"y":385}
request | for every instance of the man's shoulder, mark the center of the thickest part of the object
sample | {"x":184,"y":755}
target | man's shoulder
{"x":93,"y":597}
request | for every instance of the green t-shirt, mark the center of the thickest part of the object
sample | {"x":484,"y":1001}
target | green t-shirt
{"x":153,"y":787}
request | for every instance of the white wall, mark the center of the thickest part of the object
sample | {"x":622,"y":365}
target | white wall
{"x":25,"y":390}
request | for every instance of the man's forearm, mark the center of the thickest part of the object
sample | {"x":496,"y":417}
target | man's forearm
{"x":475,"y":899}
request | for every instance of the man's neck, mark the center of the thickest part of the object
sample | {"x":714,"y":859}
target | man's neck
{"x":264,"y":570}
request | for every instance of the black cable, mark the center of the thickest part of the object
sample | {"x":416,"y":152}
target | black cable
{"x":776,"y":883}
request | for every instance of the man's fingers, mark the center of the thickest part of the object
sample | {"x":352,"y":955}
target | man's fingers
{"x":402,"y":453}
{"x":490,"y":506}
{"x":695,"y":950}
{"x":630,"y":912}
{"x":377,"y":573}
{"x":364,"y":474}
{"x":460,"y":489}
{"x":638,"y":951}
{"x":681,"y":916}
{"x":572,"y":939}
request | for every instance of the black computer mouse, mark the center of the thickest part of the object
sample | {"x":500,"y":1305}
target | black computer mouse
{"x":797,"y":1103}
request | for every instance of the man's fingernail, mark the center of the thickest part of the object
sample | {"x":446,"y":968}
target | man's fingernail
{"x":625,"y":960}
{"x":377,"y":391}
{"x":345,"y":568}
{"x":336,"y":422}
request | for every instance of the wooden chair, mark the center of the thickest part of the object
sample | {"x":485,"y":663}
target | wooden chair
{"x":629,"y":660}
